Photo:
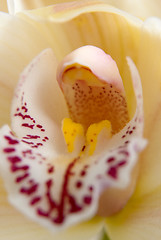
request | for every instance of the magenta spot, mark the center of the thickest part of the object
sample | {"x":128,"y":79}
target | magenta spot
{"x":24,"y":108}
{"x":30,"y":190}
{"x":91,"y":188}
{"x":51,"y":169}
{"x":8,"y":150}
{"x":38,"y":126}
{"x":111,"y":159}
{"x":122,"y":163}
{"x":31,"y":137}
{"x":83,"y":173}
{"x":31,"y":126}
{"x":112,"y":172}
{"x":11,"y":141}
{"x":79,"y":184}
{"x":42,"y":130}
{"x":35,"y":200}
{"x":126,"y":153}
{"x":15,"y":168}
{"x":123,"y":136}
{"x":21,"y":178}
{"x":29,"y":143}
{"x":87,"y":200}
{"x":130,"y":132}
{"x":14,"y":159}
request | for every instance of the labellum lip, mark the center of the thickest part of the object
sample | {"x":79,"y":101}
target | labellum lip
{"x":59,"y":191}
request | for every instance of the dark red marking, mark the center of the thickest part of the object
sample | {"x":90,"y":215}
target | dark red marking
{"x":14,"y":159}
{"x":21,"y":178}
{"x":35,"y":200}
{"x":8,"y":150}
{"x":65,"y":197}
{"x":83,"y":173}
{"x":31,"y":126}
{"x":38,"y":126}
{"x":79,"y":184}
{"x":126,"y":153}
{"x":30,"y":143}
{"x":51,"y":169}
{"x":24,"y":108}
{"x":110,"y":159}
{"x":31,"y":137}
{"x":15,"y":168}
{"x":113,"y":172}
{"x":87,"y":200}
{"x":122,"y":163}
{"x":28,"y":191}
{"x":11,"y":141}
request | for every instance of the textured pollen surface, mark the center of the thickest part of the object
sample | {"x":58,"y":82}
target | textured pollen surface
{"x":92,"y":104}
{"x":59,"y":191}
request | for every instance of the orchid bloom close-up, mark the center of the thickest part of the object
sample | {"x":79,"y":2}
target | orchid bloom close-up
{"x":80,"y":85}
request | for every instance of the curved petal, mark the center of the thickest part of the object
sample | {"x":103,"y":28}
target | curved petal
{"x":59,"y":192}
{"x":20,"y":5}
{"x":151,"y":80}
{"x":91,"y":23}
{"x":139,"y":220}
{"x":23,"y":37}
{"x":39,"y":106}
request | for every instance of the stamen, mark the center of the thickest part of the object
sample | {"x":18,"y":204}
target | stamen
{"x":94,"y":131}
{"x":93,"y":88}
{"x":71,"y":132}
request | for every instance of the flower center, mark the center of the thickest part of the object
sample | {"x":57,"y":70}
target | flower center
{"x":94,"y":93}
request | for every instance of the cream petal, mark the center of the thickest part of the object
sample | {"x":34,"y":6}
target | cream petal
{"x":61,"y":192}
{"x":139,"y":220}
{"x":39,"y":107}
{"x":91,"y":23}
{"x":19,"y":43}
{"x":140,"y":8}
{"x":15,"y":6}
{"x":150,"y":71}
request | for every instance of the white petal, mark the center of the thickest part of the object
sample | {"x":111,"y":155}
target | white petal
{"x":39,"y":106}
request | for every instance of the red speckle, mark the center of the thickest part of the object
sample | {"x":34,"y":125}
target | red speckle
{"x":31,"y":137}
{"x":122,"y":163}
{"x":91,"y":188}
{"x":8,"y":150}
{"x":28,"y":191}
{"x":38,"y":126}
{"x":111,"y":159}
{"x":15,"y":168}
{"x":21,"y":178}
{"x":79,"y":184}
{"x":126,"y":153}
{"x":87,"y":200}
{"x":14,"y":159}
{"x":11,"y":141}
{"x":113,"y":172}
{"x":51,"y":169}
{"x":31,"y":126}
{"x":83,"y":173}
{"x":35,"y":200}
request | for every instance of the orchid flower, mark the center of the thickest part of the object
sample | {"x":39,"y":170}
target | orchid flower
{"x":73,"y":169}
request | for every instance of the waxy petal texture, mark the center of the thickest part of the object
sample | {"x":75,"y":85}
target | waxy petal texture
{"x":59,"y":191}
